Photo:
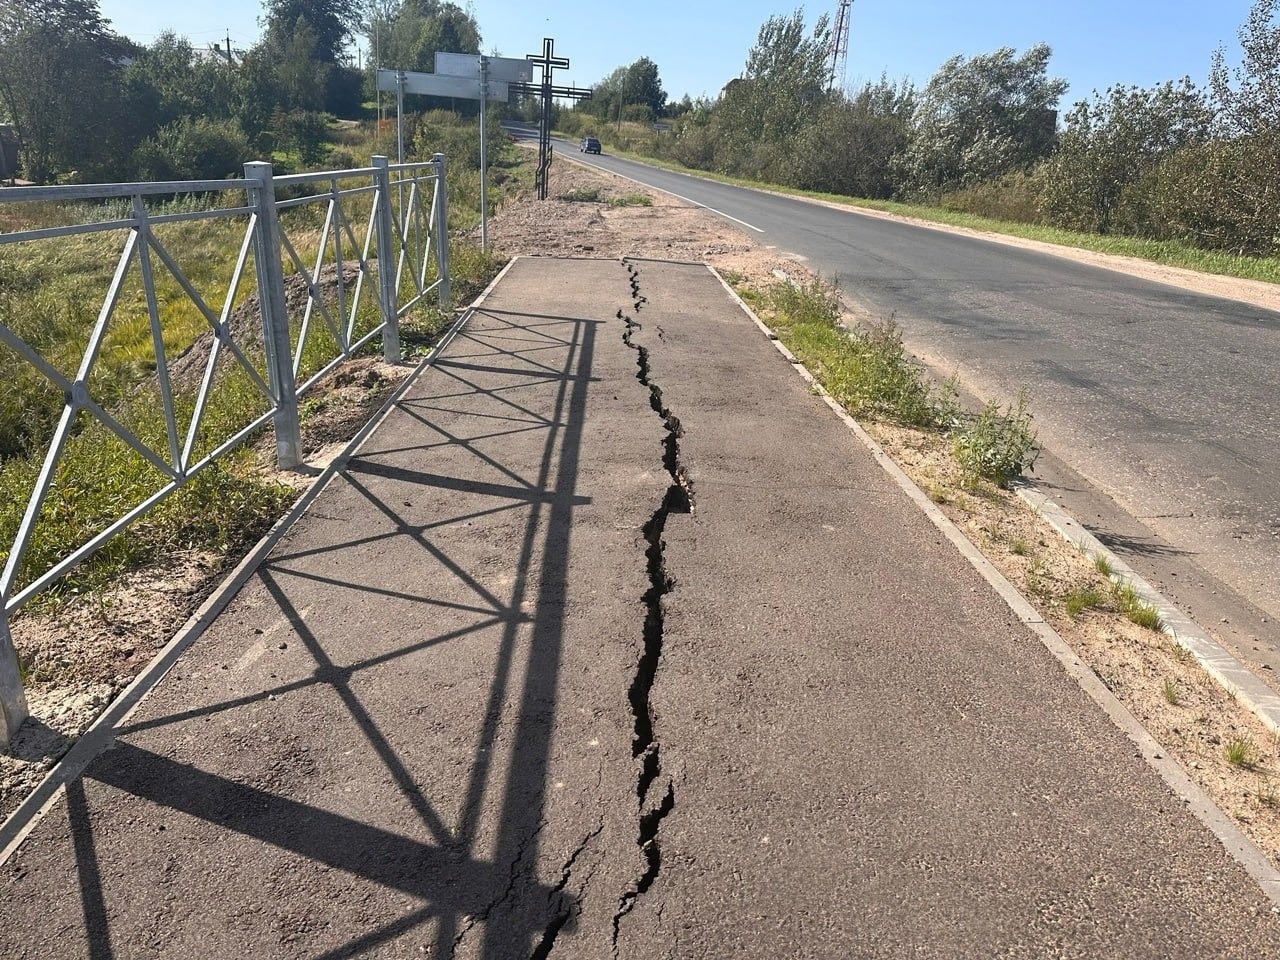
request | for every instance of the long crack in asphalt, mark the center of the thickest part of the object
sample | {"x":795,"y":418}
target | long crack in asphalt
{"x":645,"y":746}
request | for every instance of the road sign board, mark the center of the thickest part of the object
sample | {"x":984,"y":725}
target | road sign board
{"x":499,"y":68}
{"x":441,"y":85}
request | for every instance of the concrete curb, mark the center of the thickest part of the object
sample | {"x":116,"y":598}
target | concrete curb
{"x":1239,"y":846}
{"x":1234,"y":676}
{"x":100,"y":735}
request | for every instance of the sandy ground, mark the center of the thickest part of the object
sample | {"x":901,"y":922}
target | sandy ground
{"x":93,"y":648}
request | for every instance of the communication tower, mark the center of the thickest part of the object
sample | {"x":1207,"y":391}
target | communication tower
{"x":839,"y":45}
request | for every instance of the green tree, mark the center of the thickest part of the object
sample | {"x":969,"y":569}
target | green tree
{"x":1110,"y":142}
{"x":1251,"y":106}
{"x":643,"y":86}
{"x":331,"y":22}
{"x":626,"y":88}
{"x":419,"y":29}
{"x":167,"y":81}
{"x":300,"y":71}
{"x":780,"y":93}
{"x":980,"y":118}
{"x":60,"y":70}
{"x":1233,"y":201}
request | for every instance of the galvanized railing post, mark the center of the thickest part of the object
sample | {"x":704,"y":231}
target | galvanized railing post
{"x":387,"y":293}
{"x":13,"y":702}
{"x":275,"y":315}
{"x":442,"y":231}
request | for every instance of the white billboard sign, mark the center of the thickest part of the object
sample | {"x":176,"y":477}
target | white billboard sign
{"x":440,"y":85}
{"x":506,"y":69}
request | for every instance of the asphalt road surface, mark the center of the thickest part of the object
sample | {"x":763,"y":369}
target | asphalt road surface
{"x":1156,"y":405}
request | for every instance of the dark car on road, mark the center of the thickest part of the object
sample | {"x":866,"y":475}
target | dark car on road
{"x":589,"y":145}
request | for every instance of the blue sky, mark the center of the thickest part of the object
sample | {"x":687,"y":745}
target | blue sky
{"x":698,"y":46}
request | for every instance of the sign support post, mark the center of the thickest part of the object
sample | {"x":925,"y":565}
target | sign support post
{"x":484,"y":156}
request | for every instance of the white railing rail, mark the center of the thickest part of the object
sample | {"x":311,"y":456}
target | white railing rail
{"x":404,"y":234}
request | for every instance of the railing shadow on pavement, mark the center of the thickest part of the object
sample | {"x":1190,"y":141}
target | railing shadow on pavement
{"x":441,"y":868}
{"x":308,"y":325}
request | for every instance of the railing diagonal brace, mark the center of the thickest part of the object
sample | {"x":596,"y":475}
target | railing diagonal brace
{"x":314,"y":292}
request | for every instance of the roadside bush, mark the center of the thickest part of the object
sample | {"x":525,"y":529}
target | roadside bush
{"x":302,"y":131}
{"x":575,"y":124}
{"x":341,"y":158}
{"x":850,"y":149}
{"x":1014,"y":197}
{"x":441,"y":131}
{"x":1221,"y":195}
{"x":691,"y":144}
{"x":193,"y":149}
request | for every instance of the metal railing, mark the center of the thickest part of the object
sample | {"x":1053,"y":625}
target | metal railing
{"x":391,"y":250}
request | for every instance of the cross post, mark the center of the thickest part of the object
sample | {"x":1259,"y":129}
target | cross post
{"x":547,"y":90}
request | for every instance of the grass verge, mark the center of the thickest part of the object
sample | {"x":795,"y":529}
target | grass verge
{"x":870,"y":374}
{"x":49,"y":295}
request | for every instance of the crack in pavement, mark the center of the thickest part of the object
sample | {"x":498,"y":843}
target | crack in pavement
{"x":563,"y":912}
{"x":507,"y":894}
{"x":645,"y":746}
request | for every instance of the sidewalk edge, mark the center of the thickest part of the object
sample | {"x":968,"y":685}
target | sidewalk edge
{"x":1240,"y":847}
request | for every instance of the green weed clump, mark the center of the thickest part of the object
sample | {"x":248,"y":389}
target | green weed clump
{"x":1080,"y":599}
{"x":868,"y":371}
{"x":998,"y":445}
{"x":1134,"y":608}
{"x":1241,"y":752}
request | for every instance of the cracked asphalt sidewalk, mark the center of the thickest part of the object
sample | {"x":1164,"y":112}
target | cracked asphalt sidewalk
{"x":613,"y":642}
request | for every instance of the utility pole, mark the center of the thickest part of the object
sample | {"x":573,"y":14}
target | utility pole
{"x":377,"y":65}
{"x":229,"y":45}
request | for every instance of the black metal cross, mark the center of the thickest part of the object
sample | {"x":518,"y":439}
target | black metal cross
{"x":549,"y":63}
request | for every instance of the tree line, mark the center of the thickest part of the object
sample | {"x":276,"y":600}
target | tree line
{"x":89,"y":102}
{"x":1175,"y":161}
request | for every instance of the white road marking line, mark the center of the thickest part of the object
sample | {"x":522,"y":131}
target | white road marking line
{"x":669,"y":193}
